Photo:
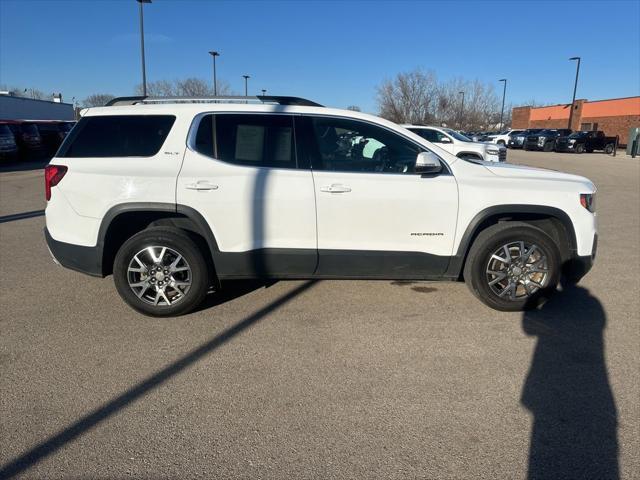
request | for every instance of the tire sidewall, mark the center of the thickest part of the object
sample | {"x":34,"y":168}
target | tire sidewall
{"x":483,"y":248}
{"x":181,"y":243}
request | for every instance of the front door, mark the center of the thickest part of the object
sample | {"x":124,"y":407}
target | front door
{"x":241,"y":173}
{"x":376,"y":216}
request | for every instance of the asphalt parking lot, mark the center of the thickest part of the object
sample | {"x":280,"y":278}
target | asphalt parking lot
{"x":330,"y":379}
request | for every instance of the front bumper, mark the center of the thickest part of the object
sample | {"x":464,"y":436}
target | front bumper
{"x":577,"y":267}
{"x":75,"y":257}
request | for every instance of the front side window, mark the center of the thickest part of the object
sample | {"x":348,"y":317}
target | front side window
{"x":345,"y":145}
{"x":245,"y":139}
{"x":117,"y":136}
{"x":433,"y":136}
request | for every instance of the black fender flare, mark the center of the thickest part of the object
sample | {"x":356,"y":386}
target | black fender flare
{"x":475,"y":227}
{"x":171,"y":208}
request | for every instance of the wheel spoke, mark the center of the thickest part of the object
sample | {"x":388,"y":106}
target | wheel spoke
{"x":506,"y":261}
{"x":161,"y":257}
{"x":155,"y":300}
{"x":499,"y":276}
{"x":152,"y":254}
{"x":161,"y":291}
{"x":142,"y":265}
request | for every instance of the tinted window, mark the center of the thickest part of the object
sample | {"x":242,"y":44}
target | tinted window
{"x":117,"y":136}
{"x":432,"y":136}
{"x":4,"y":130}
{"x":255,"y":140}
{"x":29,"y":129}
{"x":345,"y":145}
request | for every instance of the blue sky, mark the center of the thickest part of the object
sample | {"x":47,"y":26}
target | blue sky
{"x":333,"y":52}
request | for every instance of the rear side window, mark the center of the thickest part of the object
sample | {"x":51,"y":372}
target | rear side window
{"x":117,"y":136}
{"x":245,"y":139}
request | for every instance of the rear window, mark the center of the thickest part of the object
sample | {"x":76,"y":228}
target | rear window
{"x":117,"y":136}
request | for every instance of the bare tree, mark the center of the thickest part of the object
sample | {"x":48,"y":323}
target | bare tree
{"x":97,"y":100}
{"x":409,"y":98}
{"x":418,"y":97}
{"x":188,"y":87}
{"x":18,"y":91}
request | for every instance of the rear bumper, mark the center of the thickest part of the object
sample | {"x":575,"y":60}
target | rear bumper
{"x":75,"y":257}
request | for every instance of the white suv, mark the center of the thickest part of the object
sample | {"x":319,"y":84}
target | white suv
{"x":459,"y":145}
{"x":174,"y":197}
{"x":502,"y":138}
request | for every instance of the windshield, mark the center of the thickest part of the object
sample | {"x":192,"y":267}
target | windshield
{"x":456,"y":135}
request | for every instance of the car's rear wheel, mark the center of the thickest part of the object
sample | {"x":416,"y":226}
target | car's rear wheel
{"x":608,"y":148}
{"x":161,"y":272}
{"x":513,"y":266}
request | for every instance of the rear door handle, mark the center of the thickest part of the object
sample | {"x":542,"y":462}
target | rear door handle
{"x":201,"y":185}
{"x":335,"y":188}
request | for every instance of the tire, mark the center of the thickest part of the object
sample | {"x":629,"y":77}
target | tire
{"x":608,"y":148}
{"x":490,"y":244}
{"x":548,"y":147}
{"x":184,"y":281}
{"x":501,"y":142}
{"x":580,"y":148}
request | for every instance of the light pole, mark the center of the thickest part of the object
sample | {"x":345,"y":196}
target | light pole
{"x":504,"y":92}
{"x":246,"y":89}
{"x":575,"y":87}
{"x":144,"y":71}
{"x":461,"y":110}
{"x":214,"y":54}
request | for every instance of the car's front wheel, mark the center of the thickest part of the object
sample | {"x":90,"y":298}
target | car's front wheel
{"x":161,"y":272}
{"x":512,"y":266}
{"x":580,"y":148}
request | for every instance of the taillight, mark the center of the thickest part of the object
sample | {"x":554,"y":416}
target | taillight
{"x":52,"y":176}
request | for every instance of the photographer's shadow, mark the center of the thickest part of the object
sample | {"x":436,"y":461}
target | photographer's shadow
{"x":574,"y":433}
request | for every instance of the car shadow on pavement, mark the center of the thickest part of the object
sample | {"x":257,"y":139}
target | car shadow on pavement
{"x":107,"y":410}
{"x":574,"y":433}
{"x":25,"y":165}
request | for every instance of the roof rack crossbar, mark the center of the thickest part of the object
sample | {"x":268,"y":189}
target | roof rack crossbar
{"x":280,"y":100}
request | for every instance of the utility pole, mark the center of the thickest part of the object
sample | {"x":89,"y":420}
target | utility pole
{"x":504,"y":92}
{"x":144,"y":71}
{"x":461,"y":110}
{"x":575,"y":87}
{"x":246,"y":83}
{"x":214,"y":54}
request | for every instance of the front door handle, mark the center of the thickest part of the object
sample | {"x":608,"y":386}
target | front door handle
{"x":335,"y":188}
{"x":201,"y":185}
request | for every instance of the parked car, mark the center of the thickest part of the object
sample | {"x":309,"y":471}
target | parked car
{"x":27,"y":137}
{"x":8,"y":146}
{"x":580,"y":142}
{"x":517,"y":140}
{"x":545,"y":140}
{"x":53,"y":133}
{"x":173,"y":198}
{"x":459,"y":145}
{"x":502,"y":138}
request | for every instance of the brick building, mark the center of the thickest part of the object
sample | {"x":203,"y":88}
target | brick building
{"x":614,"y":117}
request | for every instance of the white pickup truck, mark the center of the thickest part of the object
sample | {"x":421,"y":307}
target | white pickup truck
{"x":502,"y":138}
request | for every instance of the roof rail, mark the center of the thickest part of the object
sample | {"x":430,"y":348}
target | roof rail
{"x":280,"y":100}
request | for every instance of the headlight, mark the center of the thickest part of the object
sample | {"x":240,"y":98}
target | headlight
{"x":541,"y":140}
{"x":588,"y":201}
{"x":492,"y":151}
{"x":572,"y":141}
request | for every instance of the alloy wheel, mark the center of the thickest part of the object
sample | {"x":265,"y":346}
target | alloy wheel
{"x":159,"y":275}
{"x":517,"y":270}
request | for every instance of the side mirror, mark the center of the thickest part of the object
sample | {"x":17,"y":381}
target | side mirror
{"x":445,"y":140}
{"x":428,"y":162}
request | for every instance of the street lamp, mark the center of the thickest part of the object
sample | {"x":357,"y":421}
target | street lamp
{"x":144,"y":72}
{"x":575,"y":87}
{"x":246,"y":90}
{"x":461,"y":110}
{"x":214,"y":54}
{"x":504,"y":92}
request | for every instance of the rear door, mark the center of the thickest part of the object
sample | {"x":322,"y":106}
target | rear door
{"x":242,"y":174}
{"x":376,"y":216}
